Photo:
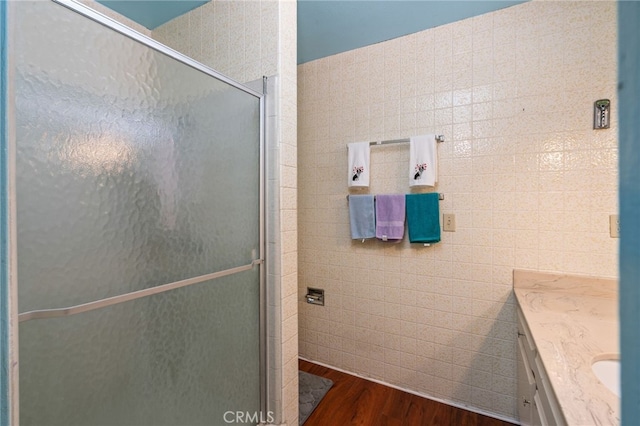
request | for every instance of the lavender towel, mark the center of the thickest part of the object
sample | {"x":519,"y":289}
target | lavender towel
{"x":390,"y":217}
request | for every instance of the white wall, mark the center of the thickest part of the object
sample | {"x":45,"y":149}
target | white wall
{"x":529,"y":180}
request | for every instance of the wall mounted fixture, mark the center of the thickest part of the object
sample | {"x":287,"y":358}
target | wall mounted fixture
{"x":439,"y":139}
{"x":601,"y":114}
{"x":315,"y":296}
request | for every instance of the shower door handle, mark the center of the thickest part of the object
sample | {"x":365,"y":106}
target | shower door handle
{"x":121,"y":298}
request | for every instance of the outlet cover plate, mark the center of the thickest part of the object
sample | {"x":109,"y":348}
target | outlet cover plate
{"x":614,"y":226}
{"x":449,"y":222}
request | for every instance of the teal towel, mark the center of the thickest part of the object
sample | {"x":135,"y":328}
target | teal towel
{"x":423,"y":217}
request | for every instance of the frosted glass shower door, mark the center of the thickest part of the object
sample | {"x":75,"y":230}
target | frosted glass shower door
{"x":138,"y":187}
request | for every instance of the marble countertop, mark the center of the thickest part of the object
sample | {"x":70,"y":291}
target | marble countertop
{"x":573,"y":321}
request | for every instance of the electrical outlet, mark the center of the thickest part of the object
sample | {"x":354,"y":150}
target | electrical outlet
{"x":449,"y":222}
{"x":614,"y":226}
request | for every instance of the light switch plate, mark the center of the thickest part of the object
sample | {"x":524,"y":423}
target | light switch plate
{"x":449,"y":222}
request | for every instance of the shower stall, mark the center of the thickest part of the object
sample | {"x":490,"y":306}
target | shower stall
{"x":138,"y":227}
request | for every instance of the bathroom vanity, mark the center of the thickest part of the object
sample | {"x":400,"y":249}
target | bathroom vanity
{"x":537,"y":403}
{"x":566,"y":323}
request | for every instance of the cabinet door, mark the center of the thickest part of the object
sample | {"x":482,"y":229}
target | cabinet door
{"x":549,"y":403}
{"x":526,"y":386}
{"x":539,"y":418}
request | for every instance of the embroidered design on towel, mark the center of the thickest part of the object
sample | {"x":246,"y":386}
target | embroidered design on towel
{"x":419,"y":169}
{"x":357,"y":171}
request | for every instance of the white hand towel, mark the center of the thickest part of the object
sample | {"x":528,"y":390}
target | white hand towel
{"x":359,"y":160}
{"x":423,"y":161}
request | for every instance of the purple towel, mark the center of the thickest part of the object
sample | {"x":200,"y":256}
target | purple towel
{"x":390,"y":217}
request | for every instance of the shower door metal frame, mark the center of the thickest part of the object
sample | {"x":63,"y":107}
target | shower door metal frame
{"x":15,"y":317}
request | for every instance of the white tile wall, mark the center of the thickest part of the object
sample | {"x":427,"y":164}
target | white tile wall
{"x":239,"y":39}
{"x":246,"y":40}
{"x":531,"y":185}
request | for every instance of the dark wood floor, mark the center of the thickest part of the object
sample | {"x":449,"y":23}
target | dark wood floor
{"x":356,"y":401}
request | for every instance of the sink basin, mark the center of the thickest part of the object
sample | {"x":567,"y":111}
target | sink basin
{"x":608,"y":372}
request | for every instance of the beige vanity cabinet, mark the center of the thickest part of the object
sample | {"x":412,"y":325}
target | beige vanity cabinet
{"x":537,"y":404}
